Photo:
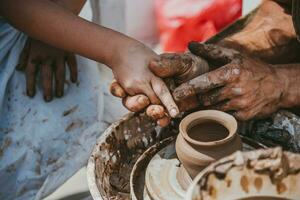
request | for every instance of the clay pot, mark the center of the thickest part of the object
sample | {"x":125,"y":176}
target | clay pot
{"x":204,"y":137}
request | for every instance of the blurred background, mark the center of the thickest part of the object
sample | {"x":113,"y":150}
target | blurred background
{"x":172,"y":23}
{"x":169,"y":24}
{"x":164,"y":25}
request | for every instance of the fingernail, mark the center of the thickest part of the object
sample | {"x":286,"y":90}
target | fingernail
{"x":173,"y":112}
{"x":155,"y":110}
{"x":141,"y":100}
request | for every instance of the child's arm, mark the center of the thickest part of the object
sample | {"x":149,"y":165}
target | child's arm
{"x":128,"y":58}
{"x":50,"y":23}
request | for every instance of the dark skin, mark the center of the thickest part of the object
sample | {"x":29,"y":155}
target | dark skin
{"x":51,"y":63}
{"x":249,"y":87}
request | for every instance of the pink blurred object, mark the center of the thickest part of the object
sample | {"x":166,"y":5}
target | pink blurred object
{"x":181,"y":21}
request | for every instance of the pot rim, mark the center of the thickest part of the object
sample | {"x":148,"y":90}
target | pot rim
{"x":214,"y":115}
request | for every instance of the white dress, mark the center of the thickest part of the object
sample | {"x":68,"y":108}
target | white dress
{"x":43,"y":144}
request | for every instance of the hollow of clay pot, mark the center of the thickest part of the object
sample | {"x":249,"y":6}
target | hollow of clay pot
{"x":204,"y":137}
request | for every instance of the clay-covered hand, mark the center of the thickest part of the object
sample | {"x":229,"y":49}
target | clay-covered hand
{"x":181,"y":67}
{"x":246,"y":86}
{"x":269,"y":35}
{"x":133,"y":75}
{"x":51,"y":62}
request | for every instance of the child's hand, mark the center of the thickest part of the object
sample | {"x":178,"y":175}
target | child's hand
{"x":181,"y":68}
{"x":130,"y":68}
{"x":51,"y":63}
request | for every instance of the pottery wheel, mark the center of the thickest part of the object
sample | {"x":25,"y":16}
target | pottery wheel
{"x":163,"y":172}
{"x":165,"y":177}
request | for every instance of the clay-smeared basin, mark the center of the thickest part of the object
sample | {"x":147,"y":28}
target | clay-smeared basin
{"x":117,"y":150}
{"x":255,"y":175}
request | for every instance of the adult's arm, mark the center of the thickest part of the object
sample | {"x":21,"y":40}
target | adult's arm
{"x":270,"y":35}
{"x":249,"y":87}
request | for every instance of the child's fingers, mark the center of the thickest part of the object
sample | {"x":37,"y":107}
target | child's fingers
{"x":148,"y":91}
{"x":116,"y":89}
{"x":31,"y":70}
{"x":136,"y":103}
{"x":60,"y":75}
{"x":24,"y":57}
{"x":155,"y":111}
{"x":72,"y":64}
{"x":47,"y":79}
{"x":162,"y":91}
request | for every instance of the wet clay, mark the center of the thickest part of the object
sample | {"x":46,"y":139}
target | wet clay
{"x":117,"y":151}
{"x":183,"y":66}
{"x":212,"y":129}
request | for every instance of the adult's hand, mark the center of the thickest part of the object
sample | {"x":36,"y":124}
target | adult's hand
{"x":246,"y":86}
{"x":51,"y":63}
